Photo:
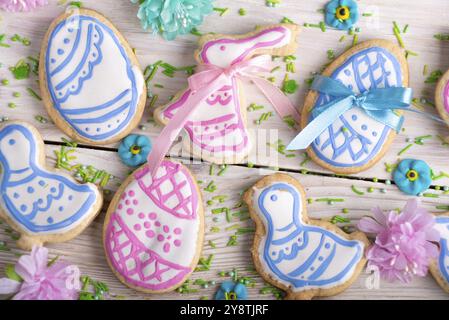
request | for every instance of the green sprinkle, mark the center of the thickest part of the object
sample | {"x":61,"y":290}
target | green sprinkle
{"x":211,"y":187}
{"x":290,"y":121}
{"x":431,"y":195}
{"x":212,"y":244}
{"x":221,"y":11}
{"x":33,"y":94}
{"x":370,"y":190}
{"x":441,"y":36}
{"x":211,"y":169}
{"x":442,"y":207}
{"x":286,"y":20}
{"x":289,"y":86}
{"x":434,"y":77}
{"x":367,"y":14}
{"x":397,"y":33}
{"x":330,"y":54}
{"x":389,"y":168}
{"x":5,"y":82}
{"x":21,"y":70}
{"x":77,"y":4}
{"x":322,"y":26}
{"x":204,"y":264}
{"x":16,"y":94}
{"x":306,"y":159}
{"x":355,"y":39}
{"x":425,"y":70}
{"x":342,"y":38}
{"x":330,"y":200}
{"x":339,"y":219}
{"x":12,"y":105}
{"x":345,"y":210}
{"x":272,"y":3}
{"x":214,"y":229}
{"x":234,"y":226}
{"x":195,"y":32}
{"x":242,"y":12}
{"x":405,"y":29}
{"x":223,"y":168}
{"x":232,"y":241}
{"x":10,"y":272}
{"x":356,"y":191}
{"x":405,"y":149}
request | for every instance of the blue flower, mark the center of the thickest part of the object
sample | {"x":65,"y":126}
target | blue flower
{"x":412,"y":176}
{"x":230,"y":290}
{"x":172,"y":17}
{"x":134,"y":150}
{"x":341,"y":14}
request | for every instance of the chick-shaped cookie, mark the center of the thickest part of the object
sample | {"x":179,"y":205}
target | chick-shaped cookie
{"x":302,"y":256}
{"x":42,"y":205}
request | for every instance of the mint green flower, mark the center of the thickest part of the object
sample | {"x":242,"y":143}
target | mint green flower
{"x":172,"y":17}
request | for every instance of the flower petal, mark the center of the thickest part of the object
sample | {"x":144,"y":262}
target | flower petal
{"x":9,"y":286}
{"x":241,"y":291}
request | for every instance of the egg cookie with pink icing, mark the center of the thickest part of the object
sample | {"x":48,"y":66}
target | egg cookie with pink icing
{"x":154,"y":228}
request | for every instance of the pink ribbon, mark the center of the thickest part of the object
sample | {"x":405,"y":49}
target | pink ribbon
{"x":211,"y":78}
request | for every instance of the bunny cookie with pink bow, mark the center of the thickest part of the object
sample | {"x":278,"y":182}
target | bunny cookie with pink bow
{"x":212,"y":110}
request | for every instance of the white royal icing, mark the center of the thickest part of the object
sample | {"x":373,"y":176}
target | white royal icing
{"x":298,"y":255}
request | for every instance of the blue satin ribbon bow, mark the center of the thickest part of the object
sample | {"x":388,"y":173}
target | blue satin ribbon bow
{"x":378,"y":103}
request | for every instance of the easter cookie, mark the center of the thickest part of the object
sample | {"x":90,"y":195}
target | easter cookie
{"x":442,"y":98}
{"x":440,"y":267}
{"x":90,"y":79}
{"x":216,"y":131}
{"x":356,"y":140}
{"x":154,"y":228}
{"x":41,"y":204}
{"x":305,"y":257}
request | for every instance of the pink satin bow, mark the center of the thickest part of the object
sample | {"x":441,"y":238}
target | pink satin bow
{"x":211,"y":78}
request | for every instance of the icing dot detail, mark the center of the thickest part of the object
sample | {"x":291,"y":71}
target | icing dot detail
{"x":137,"y":227}
{"x":129,"y":211}
{"x":160,"y":238}
{"x":61,"y":208}
{"x":166,"y":229}
{"x":147,"y":225}
{"x":23,"y":207}
{"x":141,"y":215}
{"x":177,"y":243}
{"x":66,"y":41}
{"x":354,"y":117}
{"x":30,"y":189}
{"x":157,"y":224}
{"x":152,"y":216}
{"x":177,"y":231}
{"x":327,"y":245}
{"x":60,"y":51}
{"x":166,"y":247}
{"x":274,"y":197}
{"x":52,"y":189}
{"x":12,"y":142}
{"x":16,"y":195}
{"x":364,"y":127}
{"x":49,"y":220}
{"x":150,"y":234}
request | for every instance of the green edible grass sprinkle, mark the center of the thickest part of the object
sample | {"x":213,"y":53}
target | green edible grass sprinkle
{"x":441,"y":36}
{"x":221,"y":11}
{"x":431,"y":195}
{"x":286,"y":20}
{"x":356,"y":191}
{"x":405,"y":149}
{"x":195,"y":32}
{"x":242,"y":12}
{"x":33,"y":94}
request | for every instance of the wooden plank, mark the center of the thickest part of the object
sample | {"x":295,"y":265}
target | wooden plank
{"x":311,"y":57}
{"x":86,"y":251}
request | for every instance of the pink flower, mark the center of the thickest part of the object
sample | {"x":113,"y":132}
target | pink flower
{"x":59,"y":281}
{"x":405,"y":242}
{"x":21,"y":5}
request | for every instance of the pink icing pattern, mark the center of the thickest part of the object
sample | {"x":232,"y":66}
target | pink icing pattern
{"x":218,"y":126}
{"x":446,"y":97}
{"x":151,"y":237}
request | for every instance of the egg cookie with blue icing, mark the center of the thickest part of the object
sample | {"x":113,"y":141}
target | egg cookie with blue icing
{"x":440,"y":267}
{"x":356,"y":141}
{"x":91,"y":82}
{"x":305,"y":257}
{"x":42,"y":204}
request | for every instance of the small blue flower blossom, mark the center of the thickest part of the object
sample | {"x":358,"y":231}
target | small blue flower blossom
{"x":172,"y":17}
{"x":134,"y":150}
{"x":341,"y":14}
{"x":230,"y":290}
{"x":412,"y":176}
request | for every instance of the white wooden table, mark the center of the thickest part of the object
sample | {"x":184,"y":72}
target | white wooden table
{"x":425,"y":18}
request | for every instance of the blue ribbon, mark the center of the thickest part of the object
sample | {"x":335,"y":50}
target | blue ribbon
{"x":378,"y":103}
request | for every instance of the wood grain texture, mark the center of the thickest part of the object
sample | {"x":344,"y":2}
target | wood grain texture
{"x":424,"y":19}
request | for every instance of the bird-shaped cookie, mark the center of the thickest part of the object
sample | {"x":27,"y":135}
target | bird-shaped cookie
{"x":305,"y":257}
{"x":41,"y":204}
{"x":440,"y":267}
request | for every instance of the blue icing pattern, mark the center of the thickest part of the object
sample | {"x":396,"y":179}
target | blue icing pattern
{"x":22,"y":175}
{"x":354,"y":139}
{"x":443,"y":260}
{"x":303,"y":256}
{"x":91,"y":80}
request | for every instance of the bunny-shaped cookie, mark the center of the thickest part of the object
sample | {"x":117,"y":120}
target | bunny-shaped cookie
{"x":217,"y":129}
